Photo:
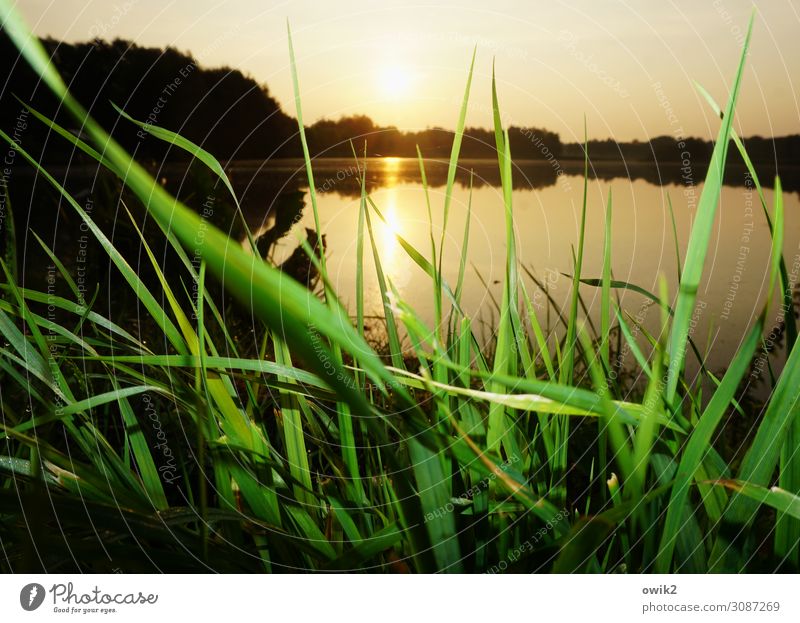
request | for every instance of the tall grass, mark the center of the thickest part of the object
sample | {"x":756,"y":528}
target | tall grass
{"x":317,"y":453}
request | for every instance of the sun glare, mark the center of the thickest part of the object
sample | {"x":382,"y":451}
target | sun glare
{"x":394,"y":81}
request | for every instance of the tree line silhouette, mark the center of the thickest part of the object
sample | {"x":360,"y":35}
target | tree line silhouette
{"x":234,"y":117}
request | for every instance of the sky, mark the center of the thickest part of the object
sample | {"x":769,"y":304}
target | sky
{"x":629,"y":67}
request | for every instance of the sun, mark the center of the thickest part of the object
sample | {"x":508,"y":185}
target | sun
{"x":394,"y":81}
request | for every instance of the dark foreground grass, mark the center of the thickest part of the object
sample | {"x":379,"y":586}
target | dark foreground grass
{"x":184,"y":453}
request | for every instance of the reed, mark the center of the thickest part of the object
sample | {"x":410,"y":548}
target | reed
{"x":318,"y":453}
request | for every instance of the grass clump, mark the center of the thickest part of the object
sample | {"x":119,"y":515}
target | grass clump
{"x":312,"y":452}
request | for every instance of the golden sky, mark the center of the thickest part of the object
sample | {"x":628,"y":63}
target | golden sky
{"x":629,"y":66}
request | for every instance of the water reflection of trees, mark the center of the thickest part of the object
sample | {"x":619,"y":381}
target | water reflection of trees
{"x":341,"y":176}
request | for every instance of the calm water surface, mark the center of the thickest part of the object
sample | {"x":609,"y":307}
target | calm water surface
{"x":547,"y":210}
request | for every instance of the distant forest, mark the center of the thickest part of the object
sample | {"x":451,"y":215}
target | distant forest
{"x":234,"y":117}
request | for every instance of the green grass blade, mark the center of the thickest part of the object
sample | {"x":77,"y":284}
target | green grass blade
{"x":605,"y":296}
{"x":452,"y":167}
{"x":786,"y":502}
{"x":701,"y":234}
{"x":570,"y":343}
{"x":788,"y":306}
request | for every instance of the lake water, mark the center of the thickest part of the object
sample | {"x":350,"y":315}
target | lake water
{"x":547,"y":210}
{"x":547,"y":205}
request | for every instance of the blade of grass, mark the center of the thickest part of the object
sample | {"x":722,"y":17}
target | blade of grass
{"x":701,"y":233}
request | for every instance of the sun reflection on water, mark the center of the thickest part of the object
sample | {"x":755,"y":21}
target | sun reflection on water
{"x":390,"y":229}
